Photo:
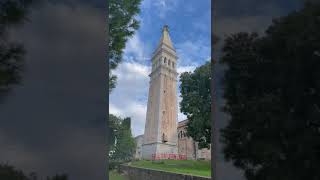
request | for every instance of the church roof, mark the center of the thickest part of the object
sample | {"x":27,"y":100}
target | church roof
{"x":182,"y":123}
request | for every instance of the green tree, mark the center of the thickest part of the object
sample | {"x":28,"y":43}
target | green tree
{"x":122,"y":25}
{"x":12,"y":13}
{"x":272,"y":96}
{"x":196,"y":103}
{"x":122,"y":144}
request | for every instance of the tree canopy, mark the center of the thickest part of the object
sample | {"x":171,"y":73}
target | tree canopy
{"x":196,"y":103}
{"x":122,"y":25}
{"x":121,"y":142}
{"x":12,"y":13}
{"x":272,"y":93}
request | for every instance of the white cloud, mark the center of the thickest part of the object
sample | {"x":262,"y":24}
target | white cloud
{"x":136,"y":50}
{"x":129,"y":98}
{"x":162,"y":7}
{"x":186,"y":69}
{"x":114,"y":110}
{"x":191,"y":53}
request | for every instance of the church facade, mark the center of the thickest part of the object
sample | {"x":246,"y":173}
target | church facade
{"x":187,"y":147}
{"x":163,"y":137}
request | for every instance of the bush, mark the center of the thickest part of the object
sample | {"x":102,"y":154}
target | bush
{"x":113,"y":165}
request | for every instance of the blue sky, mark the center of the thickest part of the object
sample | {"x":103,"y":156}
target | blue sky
{"x":189,"y":25}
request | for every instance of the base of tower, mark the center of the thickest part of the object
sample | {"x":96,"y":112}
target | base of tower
{"x":159,"y":150}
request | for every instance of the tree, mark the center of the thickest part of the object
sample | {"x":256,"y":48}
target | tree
{"x":122,"y":25}
{"x":122,"y":144}
{"x":12,"y":13}
{"x":272,"y":96}
{"x":196,"y":103}
{"x":8,"y":172}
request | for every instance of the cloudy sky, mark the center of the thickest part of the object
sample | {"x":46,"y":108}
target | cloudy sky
{"x":189,"y":25}
{"x":55,"y":120}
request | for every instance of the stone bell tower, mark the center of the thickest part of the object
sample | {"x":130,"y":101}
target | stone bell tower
{"x":160,"y":136}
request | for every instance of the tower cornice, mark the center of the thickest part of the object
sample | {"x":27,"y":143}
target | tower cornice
{"x":166,"y":51}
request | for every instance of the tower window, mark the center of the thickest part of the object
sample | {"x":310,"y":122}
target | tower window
{"x":165,"y":60}
{"x":164,"y":138}
{"x":169,"y":63}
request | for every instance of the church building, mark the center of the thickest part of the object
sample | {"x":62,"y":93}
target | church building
{"x":164,"y":137}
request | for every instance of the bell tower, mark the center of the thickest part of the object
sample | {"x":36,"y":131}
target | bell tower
{"x":160,"y":136}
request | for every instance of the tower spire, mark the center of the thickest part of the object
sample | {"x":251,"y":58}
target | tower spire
{"x":165,"y":38}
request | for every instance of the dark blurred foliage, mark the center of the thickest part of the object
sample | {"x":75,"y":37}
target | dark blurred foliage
{"x":12,"y":14}
{"x":8,"y":172}
{"x":272,"y":92}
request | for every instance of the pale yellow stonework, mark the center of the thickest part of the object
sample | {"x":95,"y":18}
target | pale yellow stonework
{"x":161,"y":129}
{"x":161,"y":119}
{"x":187,"y":147}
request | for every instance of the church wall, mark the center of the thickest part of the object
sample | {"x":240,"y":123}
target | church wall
{"x":139,"y":141}
{"x":188,"y":147}
{"x":148,"y":150}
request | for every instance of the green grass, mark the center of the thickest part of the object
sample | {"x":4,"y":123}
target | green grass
{"x":192,"y":167}
{"x":114,"y":175}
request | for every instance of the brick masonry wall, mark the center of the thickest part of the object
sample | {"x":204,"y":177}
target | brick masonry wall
{"x":135,"y":173}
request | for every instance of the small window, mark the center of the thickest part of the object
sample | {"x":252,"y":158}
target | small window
{"x":169,"y":63}
{"x":164,"y":138}
{"x":165,"y":60}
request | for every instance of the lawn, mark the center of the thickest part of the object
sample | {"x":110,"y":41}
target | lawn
{"x":114,"y":175}
{"x":198,"y":168}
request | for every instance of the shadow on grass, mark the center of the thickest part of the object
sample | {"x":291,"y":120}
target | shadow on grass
{"x":191,"y":167}
{"x":114,"y":175}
